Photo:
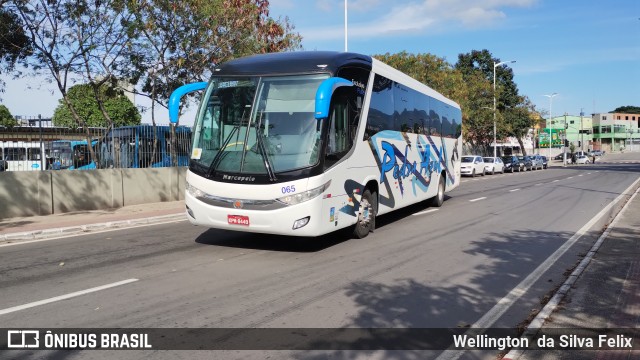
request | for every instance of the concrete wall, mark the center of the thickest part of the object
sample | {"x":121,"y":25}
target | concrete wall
{"x":86,"y":190}
{"x":25,"y":193}
{"x":33,"y":193}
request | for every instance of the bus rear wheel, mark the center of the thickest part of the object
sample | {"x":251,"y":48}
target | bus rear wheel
{"x":367,"y":215}
{"x":437,"y":200}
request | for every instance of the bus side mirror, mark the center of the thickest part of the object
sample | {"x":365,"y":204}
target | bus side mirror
{"x":177,"y":94}
{"x":323,"y":95}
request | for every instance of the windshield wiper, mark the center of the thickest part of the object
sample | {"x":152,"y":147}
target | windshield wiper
{"x":263,"y":150}
{"x":218,"y":157}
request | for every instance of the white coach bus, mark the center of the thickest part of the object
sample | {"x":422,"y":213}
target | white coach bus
{"x":305,"y":143}
{"x":22,"y":155}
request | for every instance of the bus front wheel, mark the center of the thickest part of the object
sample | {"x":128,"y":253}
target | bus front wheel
{"x":367,"y":215}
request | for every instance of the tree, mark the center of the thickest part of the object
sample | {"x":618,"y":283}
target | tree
{"x":519,"y":119}
{"x":483,"y":61}
{"x":6,"y":119}
{"x":429,"y":69}
{"x":514,"y":114}
{"x":183,"y":41}
{"x":56,"y":54}
{"x":107,"y":44}
{"x":627,"y":110}
{"x":14,"y":44}
{"x":473,"y":92}
{"x":119,"y":108}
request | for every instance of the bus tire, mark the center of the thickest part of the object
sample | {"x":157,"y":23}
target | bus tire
{"x":366,"y":222}
{"x":438,"y":200}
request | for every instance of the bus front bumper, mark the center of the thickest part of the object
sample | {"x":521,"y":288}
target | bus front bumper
{"x":295,"y":220}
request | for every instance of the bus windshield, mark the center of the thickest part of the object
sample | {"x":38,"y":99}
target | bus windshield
{"x":60,"y":155}
{"x":258,"y":125}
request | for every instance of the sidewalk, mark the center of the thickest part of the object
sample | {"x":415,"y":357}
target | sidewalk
{"x":39,"y":227}
{"x":605,"y":294}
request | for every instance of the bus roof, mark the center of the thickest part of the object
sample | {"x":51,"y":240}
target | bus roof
{"x":292,"y":63}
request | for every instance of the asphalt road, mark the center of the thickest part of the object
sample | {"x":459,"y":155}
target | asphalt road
{"x":481,"y":260}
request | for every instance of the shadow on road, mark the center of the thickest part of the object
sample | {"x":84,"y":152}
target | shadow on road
{"x":283,"y":243}
{"x":267,"y":242}
{"x":410,"y":303}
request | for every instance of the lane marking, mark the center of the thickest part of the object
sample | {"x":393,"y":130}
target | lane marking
{"x":550,"y":307}
{"x":579,"y":175}
{"x":65,"y":297}
{"x":489,"y":318}
{"x":555,"y":180}
{"x":538,"y":184}
{"x":478,"y":199}
{"x":514,"y":190}
{"x":588,"y":173}
{"x":425,"y":212}
{"x":570,"y":177}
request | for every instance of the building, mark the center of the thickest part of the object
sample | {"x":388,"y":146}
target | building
{"x":614,"y":132}
{"x":33,"y":121}
{"x":577,"y":129}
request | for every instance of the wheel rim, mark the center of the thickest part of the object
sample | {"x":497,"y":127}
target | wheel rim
{"x":441,"y":191}
{"x":365,"y":215}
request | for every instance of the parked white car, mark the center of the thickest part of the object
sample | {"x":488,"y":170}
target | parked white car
{"x":472,"y":165}
{"x":583,"y":159}
{"x":493,"y":165}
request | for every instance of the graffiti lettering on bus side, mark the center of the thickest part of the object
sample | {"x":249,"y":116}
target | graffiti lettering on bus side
{"x":406,"y":168}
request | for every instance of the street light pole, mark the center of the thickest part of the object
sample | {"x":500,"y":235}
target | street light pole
{"x":495,"y":65}
{"x":549,"y":122}
{"x":345,"y":25}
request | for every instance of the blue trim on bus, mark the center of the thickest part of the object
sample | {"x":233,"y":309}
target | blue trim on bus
{"x":323,"y":95}
{"x":177,"y":94}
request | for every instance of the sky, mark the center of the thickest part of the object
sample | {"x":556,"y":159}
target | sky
{"x":586,"y":51}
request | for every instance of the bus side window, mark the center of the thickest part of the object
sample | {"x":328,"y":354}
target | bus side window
{"x":33,"y":154}
{"x":381,"y":107}
{"x":81,"y":155}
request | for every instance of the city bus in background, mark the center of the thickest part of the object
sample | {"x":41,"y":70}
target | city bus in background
{"x":305,"y":143}
{"x":142,"y":146}
{"x":22,"y":155}
{"x":69,"y":154}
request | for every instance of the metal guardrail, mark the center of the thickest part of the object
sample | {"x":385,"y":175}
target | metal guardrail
{"x":34,"y":148}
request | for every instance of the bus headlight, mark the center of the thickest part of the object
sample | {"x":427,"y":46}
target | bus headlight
{"x":194,"y":191}
{"x":298,"y":198}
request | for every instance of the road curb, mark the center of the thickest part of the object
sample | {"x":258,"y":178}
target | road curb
{"x":537,"y":323}
{"x":83,"y":229}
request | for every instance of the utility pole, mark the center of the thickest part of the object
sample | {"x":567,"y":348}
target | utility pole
{"x":564,"y":142}
{"x":581,"y":130}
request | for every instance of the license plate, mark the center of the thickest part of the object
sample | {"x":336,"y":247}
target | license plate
{"x":238,"y":220}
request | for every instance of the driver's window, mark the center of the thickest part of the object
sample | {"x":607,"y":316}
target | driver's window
{"x":210,"y":130}
{"x":342,"y":125}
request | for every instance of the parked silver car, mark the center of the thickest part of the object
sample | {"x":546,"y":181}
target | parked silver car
{"x":537,"y":163}
{"x":493,"y":165}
